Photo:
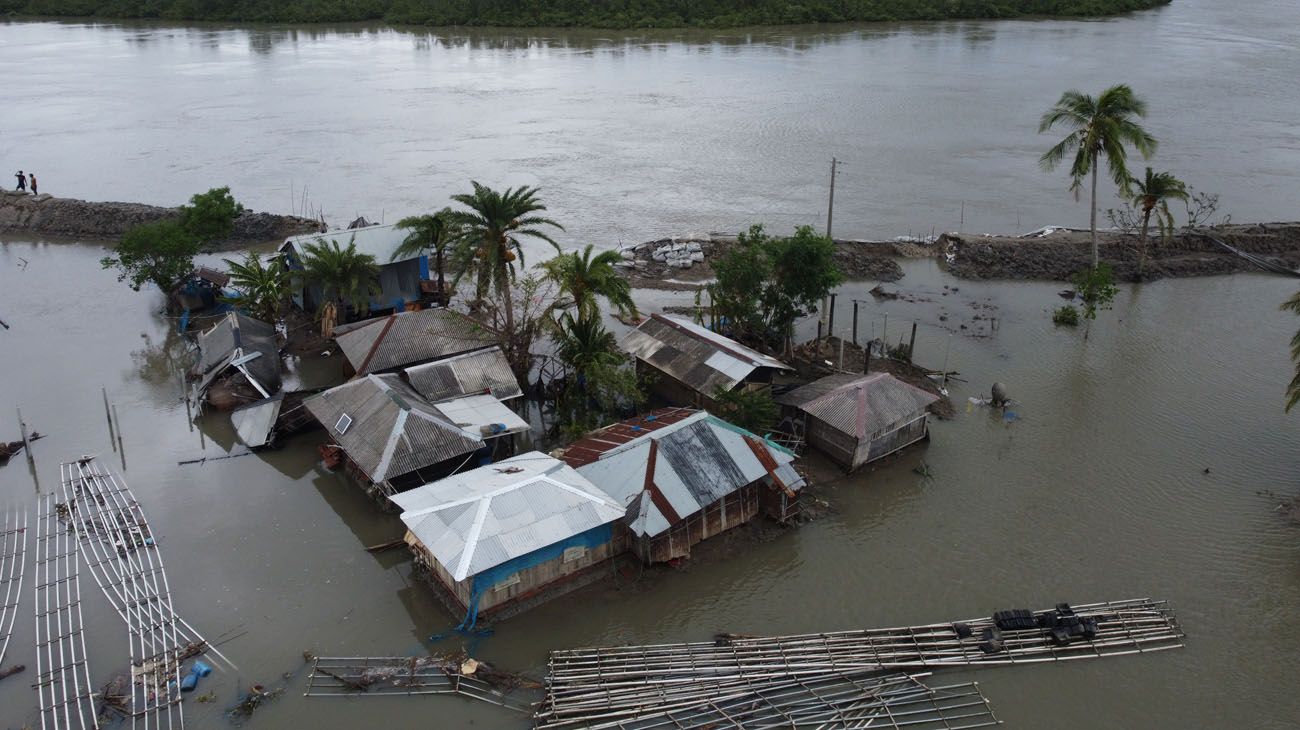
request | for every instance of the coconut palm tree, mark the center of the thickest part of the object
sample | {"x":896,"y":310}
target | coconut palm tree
{"x":345,"y":276}
{"x":585,"y":277}
{"x":429,"y":234}
{"x":1099,"y":127}
{"x":488,"y":238}
{"x":1152,"y":195}
{"x":262,"y":287}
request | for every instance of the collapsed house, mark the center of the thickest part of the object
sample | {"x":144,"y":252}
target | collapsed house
{"x":856,"y":419}
{"x":402,"y":282}
{"x":501,"y":537}
{"x":394,"y":439}
{"x":683,"y":475}
{"x":238,"y":361}
{"x":264,"y":422}
{"x":403,"y":339}
{"x":692,"y":363}
{"x":202,"y":289}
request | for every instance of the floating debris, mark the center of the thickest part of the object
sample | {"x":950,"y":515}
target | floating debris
{"x":423,"y":675}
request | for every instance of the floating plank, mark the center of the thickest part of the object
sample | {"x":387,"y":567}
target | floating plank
{"x":412,"y":675}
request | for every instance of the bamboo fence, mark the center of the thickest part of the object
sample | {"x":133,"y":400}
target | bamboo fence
{"x":62,"y":672}
{"x":13,"y":549}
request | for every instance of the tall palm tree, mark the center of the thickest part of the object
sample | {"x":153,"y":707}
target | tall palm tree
{"x":584,"y":343}
{"x":488,"y":238}
{"x":345,"y":276}
{"x":584,"y":277}
{"x":1152,"y":195}
{"x":429,"y":234}
{"x":262,"y":287}
{"x":1293,"y":388}
{"x":1100,"y":126}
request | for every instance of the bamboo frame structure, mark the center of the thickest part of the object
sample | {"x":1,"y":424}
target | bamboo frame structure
{"x":13,"y":550}
{"x":119,"y":550}
{"x":62,"y":671}
{"x":404,"y":675}
{"x":628,"y":682}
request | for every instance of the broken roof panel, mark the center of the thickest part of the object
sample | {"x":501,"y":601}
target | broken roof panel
{"x":484,"y":371}
{"x":241,"y":342}
{"x":386,"y":428}
{"x":253,"y":422}
{"x":867,"y":405}
{"x":668,"y":465}
{"x":479,"y":519}
{"x":695,"y":355}
{"x":407,"y":338}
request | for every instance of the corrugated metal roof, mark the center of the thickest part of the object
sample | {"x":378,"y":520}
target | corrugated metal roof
{"x":378,"y":241}
{"x":816,"y":389}
{"x":393,"y":430}
{"x":484,"y":371}
{"x":253,"y":422}
{"x":697,"y":459}
{"x":473,"y":412}
{"x":698,"y":357}
{"x":406,"y":338}
{"x":478,"y":519}
{"x":244,"y":343}
{"x":868,"y":405}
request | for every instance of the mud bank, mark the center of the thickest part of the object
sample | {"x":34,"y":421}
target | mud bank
{"x":1059,"y":254}
{"x":45,"y":214}
{"x":686,"y":262}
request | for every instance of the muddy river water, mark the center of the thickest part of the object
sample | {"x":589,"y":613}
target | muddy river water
{"x":1098,"y":491}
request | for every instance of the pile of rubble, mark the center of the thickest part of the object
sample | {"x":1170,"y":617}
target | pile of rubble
{"x":672,"y":253}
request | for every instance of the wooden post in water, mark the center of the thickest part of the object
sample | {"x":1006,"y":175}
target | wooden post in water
{"x":866,"y":359}
{"x":107,"y":414}
{"x":841,"y":365}
{"x":830,"y":318}
{"x":855,"y":321}
{"x":911,"y":346}
{"x":27,"y":442}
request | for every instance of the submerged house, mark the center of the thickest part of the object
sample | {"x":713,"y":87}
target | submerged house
{"x":404,"y":339}
{"x":202,"y":289}
{"x":682,"y":475}
{"x":401,"y":282}
{"x":692,"y":363}
{"x":856,"y":419}
{"x":483,"y":371}
{"x":501,"y":537}
{"x":239,"y":360}
{"x":393,"y":438}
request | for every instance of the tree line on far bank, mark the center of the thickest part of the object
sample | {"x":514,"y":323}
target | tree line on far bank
{"x":571,"y":13}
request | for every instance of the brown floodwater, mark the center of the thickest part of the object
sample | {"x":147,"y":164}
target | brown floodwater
{"x":1098,"y":491}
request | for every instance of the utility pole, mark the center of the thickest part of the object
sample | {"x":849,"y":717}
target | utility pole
{"x":830,"y":207}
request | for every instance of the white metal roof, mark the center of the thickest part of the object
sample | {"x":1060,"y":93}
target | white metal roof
{"x":381,"y":242}
{"x":473,"y":412}
{"x":698,"y":461}
{"x":479,"y":519}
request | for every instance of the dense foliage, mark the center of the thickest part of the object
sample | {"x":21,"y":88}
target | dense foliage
{"x":593,"y":13}
{"x":162,"y":253}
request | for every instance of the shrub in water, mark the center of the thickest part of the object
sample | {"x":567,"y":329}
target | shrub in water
{"x":1067,"y":316}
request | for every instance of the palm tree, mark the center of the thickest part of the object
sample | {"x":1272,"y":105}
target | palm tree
{"x":1152,"y":195}
{"x":584,"y":343}
{"x":1293,"y":388}
{"x":345,"y":276}
{"x":262,"y":287}
{"x":488,"y":238}
{"x":432,"y":234}
{"x":1100,"y":126}
{"x":584,"y":277}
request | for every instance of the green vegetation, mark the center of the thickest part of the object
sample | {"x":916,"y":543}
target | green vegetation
{"x":1100,"y":127}
{"x":1066,"y":316}
{"x":262,"y":287}
{"x":1096,"y":287}
{"x":566,"y":13}
{"x":346,"y":277}
{"x":1152,"y":196}
{"x":162,"y":253}
{"x":430,"y":234}
{"x":764,"y":284}
{"x":583,"y":277}
{"x":752,"y":410}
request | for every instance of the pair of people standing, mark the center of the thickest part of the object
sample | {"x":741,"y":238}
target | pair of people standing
{"x":23,"y":180}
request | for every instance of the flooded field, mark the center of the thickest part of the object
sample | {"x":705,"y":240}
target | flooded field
{"x":1097,"y":491}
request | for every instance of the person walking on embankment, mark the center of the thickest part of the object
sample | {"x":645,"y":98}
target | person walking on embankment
{"x":32,"y":178}
{"x":22,"y":181}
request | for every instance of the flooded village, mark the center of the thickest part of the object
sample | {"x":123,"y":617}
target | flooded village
{"x":510,"y":456}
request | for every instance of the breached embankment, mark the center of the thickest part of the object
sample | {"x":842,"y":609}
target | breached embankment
{"x":1057,"y":254}
{"x":45,"y":214}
